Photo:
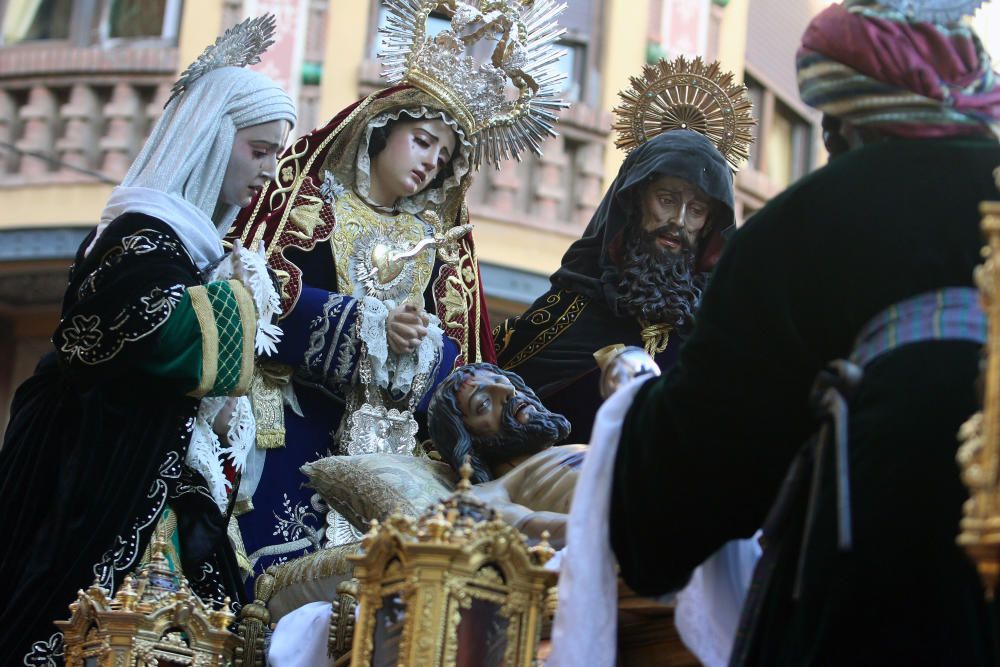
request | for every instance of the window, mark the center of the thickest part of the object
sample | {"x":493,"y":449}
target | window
{"x":782,"y":148}
{"x":574,"y":66}
{"x":86,"y":22}
{"x":435,"y":23}
{"x":32,"y":20}
{"x":136,"y":18}
{"x":787,"y":146}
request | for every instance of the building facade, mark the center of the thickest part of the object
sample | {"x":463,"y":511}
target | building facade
{"x":82,"y":82}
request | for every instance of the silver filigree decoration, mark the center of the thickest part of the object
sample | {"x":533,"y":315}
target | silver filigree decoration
{"x":931,"y":11}
{"x":240,"y":46}
{"x":475,"y":93}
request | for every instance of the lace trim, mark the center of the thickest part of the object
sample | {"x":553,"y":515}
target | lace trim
{"x":397,"y":372}
{"x":374,"y":314}
{"x":408,"y":366}
{"x":420,"y":201}
{"x":206,"y":453}
{"x":265,"y":297}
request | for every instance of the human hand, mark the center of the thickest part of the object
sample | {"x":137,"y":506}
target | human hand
{"x":405,"y":327}
{"x":239,"y":269}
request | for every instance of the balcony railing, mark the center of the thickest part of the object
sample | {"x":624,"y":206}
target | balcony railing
{"x":78,"y":115}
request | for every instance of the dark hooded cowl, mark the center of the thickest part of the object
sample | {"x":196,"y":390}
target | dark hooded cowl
{"x":591,"y":265}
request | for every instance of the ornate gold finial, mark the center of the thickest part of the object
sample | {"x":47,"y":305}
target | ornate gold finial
{"x":370,"y":535}
{"x":240,"y":46}
{"x":159,"y":552}
{"x":223,"y":617}
{"x":979,"y":454}
{"x":687,"y":95}
{"x":437,"y":527}
{"x":127,"y":594}
{"x":465,"y":474}
{"x":542,"y":552}
{"x":523,"y":34}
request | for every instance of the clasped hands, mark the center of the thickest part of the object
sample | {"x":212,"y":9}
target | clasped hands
{"x":405,"y":328}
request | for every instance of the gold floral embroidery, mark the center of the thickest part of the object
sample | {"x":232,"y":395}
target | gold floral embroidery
{"x":454,"y":302}
{"x":306,"y":217}
{"x":542,"y":315}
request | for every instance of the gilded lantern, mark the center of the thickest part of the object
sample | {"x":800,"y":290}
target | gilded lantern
{"x":457,"y":586}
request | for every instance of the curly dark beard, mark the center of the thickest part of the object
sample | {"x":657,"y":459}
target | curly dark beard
{"x":657,"y":285}
{"x":544,"y":429}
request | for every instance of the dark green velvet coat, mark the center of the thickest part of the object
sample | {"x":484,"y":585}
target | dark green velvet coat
{"x":706,"y":447}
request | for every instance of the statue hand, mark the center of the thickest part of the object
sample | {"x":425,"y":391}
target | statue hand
{"x":624,"y":365}
{"x":405,"y":327}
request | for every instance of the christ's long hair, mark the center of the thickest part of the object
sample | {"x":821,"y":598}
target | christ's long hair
{"x":454,"y":442}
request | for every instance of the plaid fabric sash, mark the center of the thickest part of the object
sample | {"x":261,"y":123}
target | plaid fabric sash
{"x":952,"y":313}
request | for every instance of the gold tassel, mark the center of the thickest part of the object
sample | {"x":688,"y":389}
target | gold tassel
{"x":239,"y":549}
{"x":655,"y":337}
{"x":268,"y":404}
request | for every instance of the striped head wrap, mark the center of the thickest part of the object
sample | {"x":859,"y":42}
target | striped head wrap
{"x":876,"y":68}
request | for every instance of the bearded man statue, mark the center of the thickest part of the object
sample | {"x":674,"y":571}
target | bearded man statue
{"x":634,"y":278}
{"x":492,"y":417}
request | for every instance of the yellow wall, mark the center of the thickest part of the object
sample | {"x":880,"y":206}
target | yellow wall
{"x":346,"y":41}
{"x":518,"y":246}
{"x":624,"y":35}
{"x":201,"y":23}
{"x":52,"y":205}
{"x":733,"y":37}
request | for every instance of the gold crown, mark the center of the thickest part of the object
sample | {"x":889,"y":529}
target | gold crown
{"x":475,"y":93}
{"x":687,"y":95}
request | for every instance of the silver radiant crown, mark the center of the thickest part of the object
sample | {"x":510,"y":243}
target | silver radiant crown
{"x":240,"y":46}
{"x":523,"y":59}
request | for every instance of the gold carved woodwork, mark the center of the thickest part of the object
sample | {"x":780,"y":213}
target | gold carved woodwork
{"x":455,"y":585}
{"x":979,"y":454}
{"x":154,"y":618}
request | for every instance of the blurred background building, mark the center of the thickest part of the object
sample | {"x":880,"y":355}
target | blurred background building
{"x":82,"y":82}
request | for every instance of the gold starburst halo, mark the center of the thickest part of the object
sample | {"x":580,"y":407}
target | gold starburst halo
{"x":687,"y":94}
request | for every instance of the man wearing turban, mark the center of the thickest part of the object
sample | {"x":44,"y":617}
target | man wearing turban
{"x":869,"y":259}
